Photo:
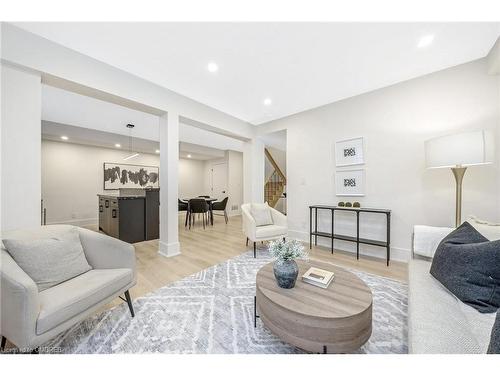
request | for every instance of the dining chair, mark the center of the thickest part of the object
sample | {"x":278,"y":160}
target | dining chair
{"x":198,"y":206}
{"x":183,"y":206}
{"x":221,"y":206}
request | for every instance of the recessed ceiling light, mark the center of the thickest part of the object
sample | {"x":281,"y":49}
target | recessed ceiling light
{"x":157,"y":151}
{"x":64,"y":138}
{"x":425,"y":41}
{"x":118,"y":145}
{"x":212,"y":67}
{"x":268,"y":101}
{"x":189,"y":156}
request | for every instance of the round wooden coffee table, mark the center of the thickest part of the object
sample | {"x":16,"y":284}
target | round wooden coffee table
{"x":333,"y":320}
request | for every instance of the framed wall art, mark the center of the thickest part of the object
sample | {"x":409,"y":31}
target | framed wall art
{"x":349,"y":152}
{"x":350,"y":182}
{"x":118,"y":176}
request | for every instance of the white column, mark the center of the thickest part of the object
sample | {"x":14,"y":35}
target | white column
{"x":21,"y":184}
{"x":169,"y":175}
{"x":253,"y":171}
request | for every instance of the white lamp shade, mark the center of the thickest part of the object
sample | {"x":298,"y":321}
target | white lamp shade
{"x":464,"y":149}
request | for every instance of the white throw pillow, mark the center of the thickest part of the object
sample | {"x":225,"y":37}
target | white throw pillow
{"x":50,"y":261}
{"x":261,"y":214}
{"x":490,"y":230}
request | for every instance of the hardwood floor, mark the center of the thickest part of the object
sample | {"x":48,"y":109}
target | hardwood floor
{"x":203,"y":248}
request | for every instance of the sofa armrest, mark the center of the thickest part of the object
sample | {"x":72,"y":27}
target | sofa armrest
{"x":278,"y":218}
{"x":249,"y":225}
{"x":104,"y":252}
{"x":19,"y":303}
{"x":426,"y":239}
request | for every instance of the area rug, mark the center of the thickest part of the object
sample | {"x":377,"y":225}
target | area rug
{"x":212,"y":312}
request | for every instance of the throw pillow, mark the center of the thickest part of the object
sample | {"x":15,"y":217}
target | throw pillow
{"x":50,"y":261}
{"x":494,"y":347}
{"x":261,"y":214}
{"x":468,"y":265}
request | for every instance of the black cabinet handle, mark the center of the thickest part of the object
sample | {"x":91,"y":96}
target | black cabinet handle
{"x":101,"y":209}
{"x":113,"y":213}
{"x":106,"y":203}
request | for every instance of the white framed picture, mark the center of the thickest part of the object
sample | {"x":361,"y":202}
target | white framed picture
{"x":349,"y":152}
{"x":350,"y":182}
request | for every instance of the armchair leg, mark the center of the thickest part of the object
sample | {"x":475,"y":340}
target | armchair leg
{"x":255,"y":249}
{"x":129,"y":302}
{"x":4,"y":341}
{"x":247,"y":241}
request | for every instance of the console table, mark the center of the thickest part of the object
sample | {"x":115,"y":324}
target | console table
{"x":313,"y":231}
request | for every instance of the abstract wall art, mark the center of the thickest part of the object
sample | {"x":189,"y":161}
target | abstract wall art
{"x":118,"y":176}
{"x":350,"y":182}
{"x":349,"y":152}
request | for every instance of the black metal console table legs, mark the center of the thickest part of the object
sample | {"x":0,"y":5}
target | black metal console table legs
{"x":315,"y":233}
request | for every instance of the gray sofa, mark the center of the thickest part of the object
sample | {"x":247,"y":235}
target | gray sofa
{"x":438,"y":322}
{"x":29,"y":318}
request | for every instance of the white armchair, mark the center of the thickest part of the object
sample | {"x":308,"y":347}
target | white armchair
{"x":254,"y":233}
{"x":29,"y":317}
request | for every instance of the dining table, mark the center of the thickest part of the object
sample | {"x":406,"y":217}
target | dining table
{"x":210,"y":202}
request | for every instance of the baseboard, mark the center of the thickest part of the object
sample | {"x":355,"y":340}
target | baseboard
{"x":397,"y":254}
{"x":169,"y":249}
{"x":76,"y":222}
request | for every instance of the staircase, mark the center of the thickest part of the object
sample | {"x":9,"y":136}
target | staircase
{"x":275,"y":185}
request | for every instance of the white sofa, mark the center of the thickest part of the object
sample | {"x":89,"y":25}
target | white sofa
{"x":279,"y":228}
{"x":438,"y":322}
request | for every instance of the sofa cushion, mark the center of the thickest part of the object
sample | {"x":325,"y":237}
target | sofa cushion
{"x":468,"y":265}
{"x":438,"y":322}
{"x":66,"y":300}
{"x":49,"y":261}
{"x":261,"y":214}
{"x":494,"y":346}
{"x":268,"y":231}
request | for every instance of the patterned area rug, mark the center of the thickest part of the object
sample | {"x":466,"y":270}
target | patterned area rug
{"x":212,"y":312}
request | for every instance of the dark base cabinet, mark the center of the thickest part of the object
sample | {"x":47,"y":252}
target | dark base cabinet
{"x":152,"y":214}
{"x":123,"y":217}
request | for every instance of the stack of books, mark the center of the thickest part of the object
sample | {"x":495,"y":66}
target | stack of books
{"x":318,"y":277}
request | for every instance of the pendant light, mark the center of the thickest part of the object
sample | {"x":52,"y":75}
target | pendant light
{"x":132,"y":155}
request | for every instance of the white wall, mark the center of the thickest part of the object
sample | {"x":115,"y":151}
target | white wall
{"x":70,"y":194}
{"x":20,"y":148}
{"x":72,"y":176}
{"x":234,"y":182}
{"x":395,"y":122}
{"x":191,"y":178}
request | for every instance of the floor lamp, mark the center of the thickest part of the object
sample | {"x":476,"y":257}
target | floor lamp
{"x":459,"y":151}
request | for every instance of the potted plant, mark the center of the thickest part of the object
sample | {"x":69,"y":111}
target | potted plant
{"x":285,"y":268}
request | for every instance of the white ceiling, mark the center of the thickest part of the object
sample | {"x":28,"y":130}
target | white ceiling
{"x":84,"y":136}
{"x":298,"y":65}
{"x":64,"y":107}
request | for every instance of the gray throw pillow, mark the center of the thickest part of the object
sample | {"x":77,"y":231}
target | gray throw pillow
{"x":50,"y":261}
{"x":494,"y":347}
{"x":468,"y":265}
